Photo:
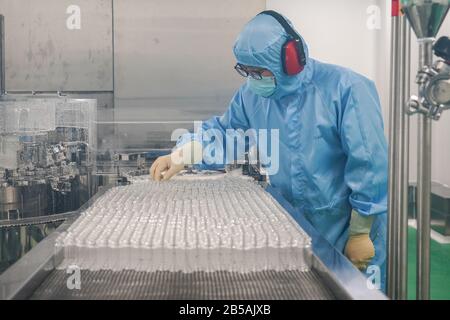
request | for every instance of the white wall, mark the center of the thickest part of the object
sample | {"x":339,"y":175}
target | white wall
{"x":338,"y":32}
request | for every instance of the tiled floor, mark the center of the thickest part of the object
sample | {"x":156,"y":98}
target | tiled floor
{"x":440,"y":268}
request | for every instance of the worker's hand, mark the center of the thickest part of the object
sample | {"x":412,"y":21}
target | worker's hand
{"x":360,"y":250}
{"x":165,"y":167}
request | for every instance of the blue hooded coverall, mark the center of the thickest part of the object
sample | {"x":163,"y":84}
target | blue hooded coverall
{"x":333,"y":152}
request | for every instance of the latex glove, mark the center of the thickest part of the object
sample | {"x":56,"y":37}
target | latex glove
{"x":166,"y":167}
{"x":359,"y":248}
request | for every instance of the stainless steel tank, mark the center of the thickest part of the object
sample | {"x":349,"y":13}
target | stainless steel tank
{"x":21,"y":202}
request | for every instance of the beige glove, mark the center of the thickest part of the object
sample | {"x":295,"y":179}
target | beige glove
{"x":359,"y":248}
{"x":166,"y":167}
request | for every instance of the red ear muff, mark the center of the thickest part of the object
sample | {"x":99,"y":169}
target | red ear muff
{"x":293,"y":56}
{"x":290,"y":58}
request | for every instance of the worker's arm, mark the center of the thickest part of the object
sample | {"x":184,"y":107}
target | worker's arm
{"x":189,"y":148}
{"x":363,"y":141}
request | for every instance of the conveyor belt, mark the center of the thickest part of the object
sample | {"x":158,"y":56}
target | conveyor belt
{"x":164,"y":285}
{"x":41,"y":275}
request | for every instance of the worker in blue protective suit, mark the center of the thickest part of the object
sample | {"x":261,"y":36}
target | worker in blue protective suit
{"x":333,"y":153}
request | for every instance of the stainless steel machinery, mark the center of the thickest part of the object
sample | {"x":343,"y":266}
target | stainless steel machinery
{"x":45,"y":272}
{"x":47,"y":167}
{"x":47,"y":155}
{"x":425,"y":17}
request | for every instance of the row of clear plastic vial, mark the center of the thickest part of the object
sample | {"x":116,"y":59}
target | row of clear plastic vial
{"x":145,"y":220}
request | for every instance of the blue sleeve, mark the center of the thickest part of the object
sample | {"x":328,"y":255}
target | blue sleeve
{"x":364,"y":143}
{"x":234,"y":118}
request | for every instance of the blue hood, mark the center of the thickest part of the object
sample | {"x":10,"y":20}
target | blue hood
{"x":259,"y":45}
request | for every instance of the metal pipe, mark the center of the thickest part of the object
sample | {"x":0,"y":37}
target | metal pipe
{"x":424,"y":185}
{"x":393,"y":204}
{"x":2,"y":55}
{"x":403,"y":174}
{"x":398,"y":156}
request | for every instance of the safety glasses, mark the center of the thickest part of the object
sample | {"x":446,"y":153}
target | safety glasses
{"x":245,"y":72}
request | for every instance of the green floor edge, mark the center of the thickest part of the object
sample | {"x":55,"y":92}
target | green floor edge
{"x":440,"y":268}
